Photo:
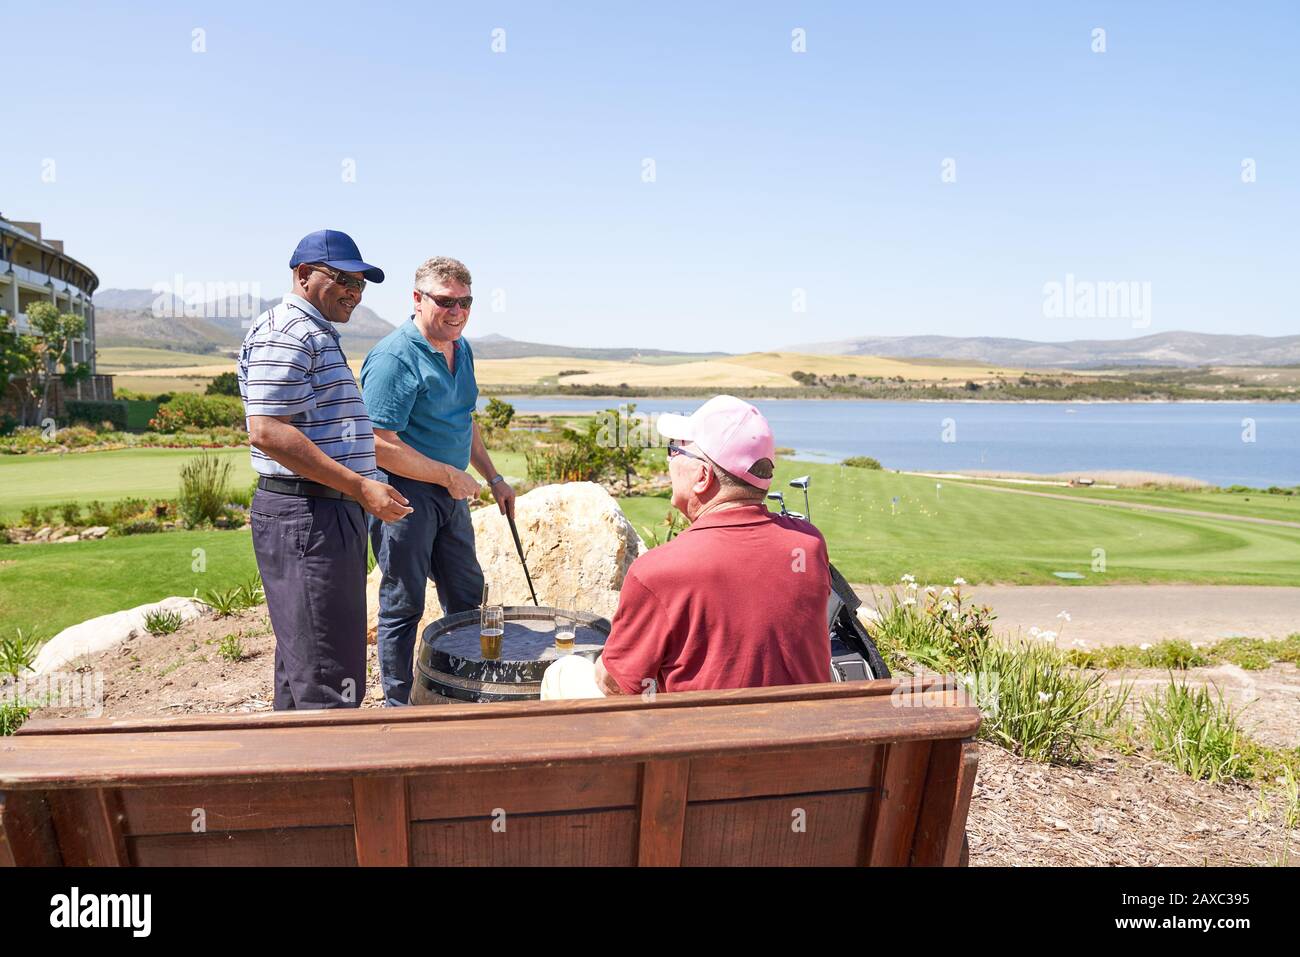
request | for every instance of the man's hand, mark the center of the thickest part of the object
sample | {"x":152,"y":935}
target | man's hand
{"x":383,"y":501}
{"x":505,"y":497}
{"x":461,"y":484}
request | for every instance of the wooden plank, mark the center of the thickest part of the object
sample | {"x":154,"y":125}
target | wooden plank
{"x":476,"y":712}
{"x":898,"y":804}
{"x":283,"y":847}
{"x":88,"y":822}
{"x":662,"y":812}
{"x":586,"y":838}
{"x":456,"y":794}
{"x":813,"y":830}
{"x":27,"y":837}
{"x":382,"y":823}
{"x":783,"y":772}
{"x":938,"y":802}
{"x":941,"y":824}
{"x":237,"y":807}
{"x":526,"y":740}
{"x":970,"y":759}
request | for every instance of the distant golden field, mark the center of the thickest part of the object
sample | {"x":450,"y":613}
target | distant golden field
{"x":770,"y":369}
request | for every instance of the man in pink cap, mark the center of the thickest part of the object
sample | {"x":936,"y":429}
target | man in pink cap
{"x":738,"y":599}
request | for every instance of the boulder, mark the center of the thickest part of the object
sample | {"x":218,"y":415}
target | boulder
{"x":95,"y":531}
{"x":576,"y":540}
{"x":99,"y":634}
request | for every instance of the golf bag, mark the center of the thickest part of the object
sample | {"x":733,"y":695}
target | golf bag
{"x":853,"y":654}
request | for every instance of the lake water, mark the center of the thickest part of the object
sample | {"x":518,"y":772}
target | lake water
{"x":1201,"y":440}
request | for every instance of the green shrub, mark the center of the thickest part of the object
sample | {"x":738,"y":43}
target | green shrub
{"x":18,"y":651}
{"x":93,"y":413}
{"x":861,"y":462}
{"x":204,"y":489}
{"x":162,"y":622}
{"x":31,"y":516}
{"x":227,"y":383}
{"x":1197,"y":733}
{"x":187,"y":411}
{"x":143,"y":526}
{"x":1178,"y":655}
{"x":231,"y":648}
{"x":70,"y":513}
{"x":12,"y":716}
{"x":1046,"y":708}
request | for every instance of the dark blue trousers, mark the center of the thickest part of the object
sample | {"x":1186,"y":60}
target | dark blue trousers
{"x":312,"y":556}
{"x":434,"y":543}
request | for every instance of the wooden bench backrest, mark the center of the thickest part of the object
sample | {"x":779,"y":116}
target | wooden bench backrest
{"x":817,"y":774}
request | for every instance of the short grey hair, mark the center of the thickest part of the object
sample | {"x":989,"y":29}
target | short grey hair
{"x":726,"y":480}
{"x":442,"y":269}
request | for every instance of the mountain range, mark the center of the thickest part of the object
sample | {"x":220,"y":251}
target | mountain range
{"x":1184,"y":349}
{"x":141,"y":318}
{"x":130,"y":317}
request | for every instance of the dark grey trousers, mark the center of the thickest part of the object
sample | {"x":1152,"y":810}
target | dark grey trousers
{"x":312,"y":556}
{"x":434,"y":543}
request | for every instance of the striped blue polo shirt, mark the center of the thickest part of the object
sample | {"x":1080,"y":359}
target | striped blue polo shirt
{"x":291,"y":364}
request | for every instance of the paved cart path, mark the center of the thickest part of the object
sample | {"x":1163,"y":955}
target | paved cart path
{"x":1132,"y":614}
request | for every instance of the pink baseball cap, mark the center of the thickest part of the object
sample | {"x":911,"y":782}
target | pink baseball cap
{"x":728,"y":430}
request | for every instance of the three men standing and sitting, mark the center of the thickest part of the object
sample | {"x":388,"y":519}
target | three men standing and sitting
{"x":419,"y":388}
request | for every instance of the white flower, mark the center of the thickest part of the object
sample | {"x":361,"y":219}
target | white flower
{"x":1033,"y":631}
{"x":909,"y":601}
{"x":1047,"y":635}
{"x":930,"y":589}
{"x":1144,"y":646}
{"x":908,"y":578}
{"x":1065,"y":615}
{"x":1044,"y":697}
{"x":959,"y":581}
{"x":1080,"y":643}
{"x":948,"y":606}
{"x":911,"y":586}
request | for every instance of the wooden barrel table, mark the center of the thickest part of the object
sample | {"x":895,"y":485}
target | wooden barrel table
{"x":450,"y":667}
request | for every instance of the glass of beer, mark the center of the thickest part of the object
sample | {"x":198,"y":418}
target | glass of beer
{"x":566,"y":629}
{"x":492,"y":626}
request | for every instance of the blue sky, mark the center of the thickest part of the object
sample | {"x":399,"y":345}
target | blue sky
{"x":774,"y":170}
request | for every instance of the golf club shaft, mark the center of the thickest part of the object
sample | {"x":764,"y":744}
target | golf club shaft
{"x":520,"y":549}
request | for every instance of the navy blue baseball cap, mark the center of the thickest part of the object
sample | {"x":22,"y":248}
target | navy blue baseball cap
{"x":333,"y":248}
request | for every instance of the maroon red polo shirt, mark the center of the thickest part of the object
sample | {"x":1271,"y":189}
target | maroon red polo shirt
{"x":737,"y":600}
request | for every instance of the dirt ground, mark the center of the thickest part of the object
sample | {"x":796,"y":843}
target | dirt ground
{"x":1118,"y":810}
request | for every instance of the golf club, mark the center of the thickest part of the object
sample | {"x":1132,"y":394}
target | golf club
{"x":802,"y":482}
{"x":520,"y":549}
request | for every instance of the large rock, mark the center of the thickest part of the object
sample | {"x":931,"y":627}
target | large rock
{"x":576,"y":540}
{"x":99,"y":634}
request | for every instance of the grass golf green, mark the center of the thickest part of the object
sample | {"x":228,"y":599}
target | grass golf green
{"x":49,"y":479}
{"x":938,"y":534}
{"x":1255,"y":504}
{"x":49,"y":587}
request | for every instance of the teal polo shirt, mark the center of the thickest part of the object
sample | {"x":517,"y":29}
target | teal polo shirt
{"x":408,"y":389}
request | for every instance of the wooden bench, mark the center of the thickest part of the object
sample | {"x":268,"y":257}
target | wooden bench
{"x":835,"y":774}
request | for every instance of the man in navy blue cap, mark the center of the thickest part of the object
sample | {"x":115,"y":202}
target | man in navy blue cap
{"x":314,"y":451}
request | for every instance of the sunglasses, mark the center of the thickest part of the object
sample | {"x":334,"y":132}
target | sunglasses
{"x":446,"y":302}
{"x":674,"y":450}
{"x":342,"y":279}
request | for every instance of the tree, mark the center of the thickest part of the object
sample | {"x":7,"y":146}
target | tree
{"x":18,"y":360}
{"x":627,"y":451}
{"x":53,"y":349}
{"x":498,"y":413}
